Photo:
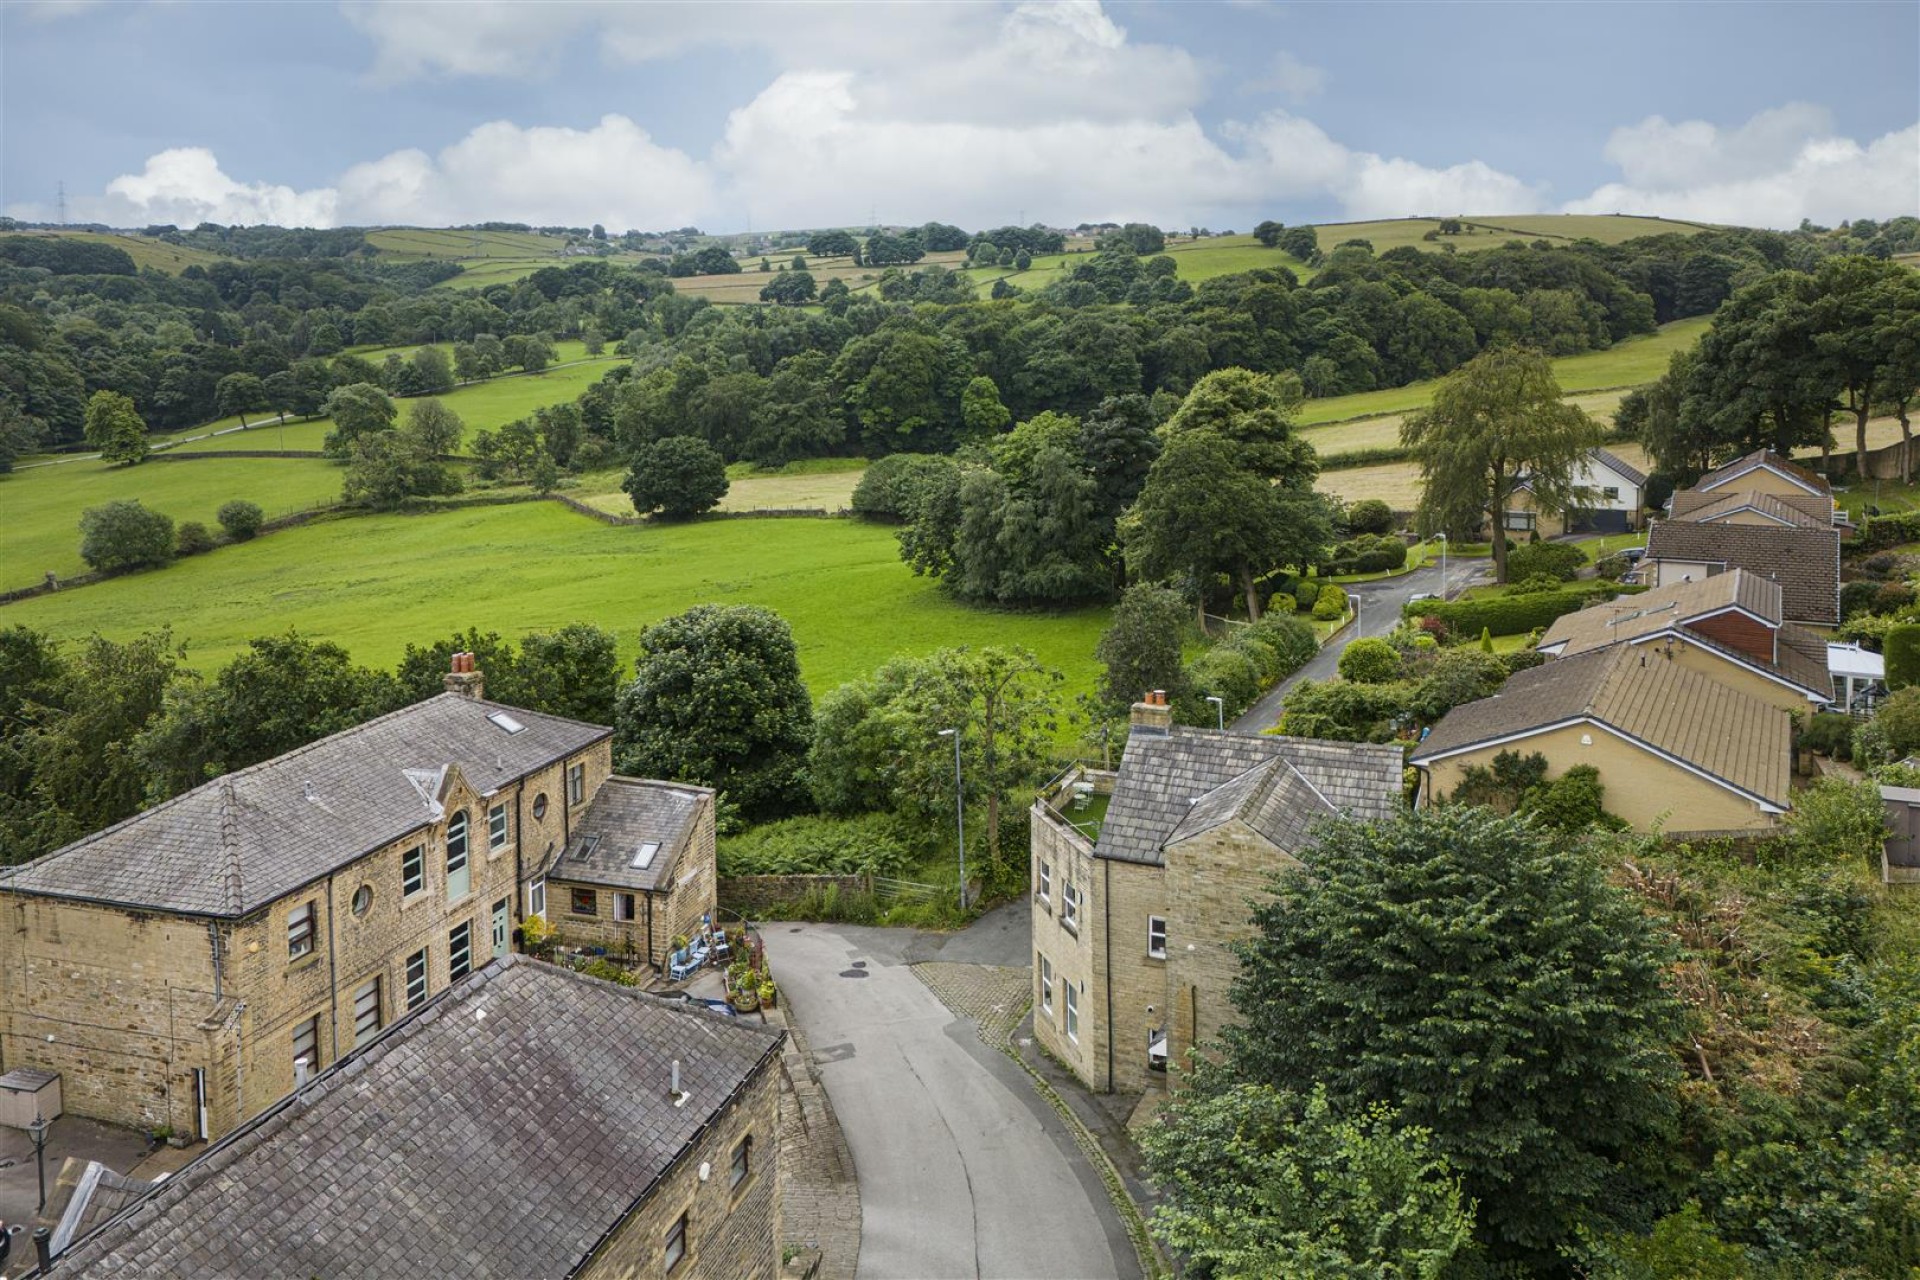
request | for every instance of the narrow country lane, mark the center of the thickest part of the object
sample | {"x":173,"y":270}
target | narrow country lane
{"x":964,"y":1170}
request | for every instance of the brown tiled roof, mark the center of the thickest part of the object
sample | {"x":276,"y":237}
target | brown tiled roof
{"x":625,"y":816}
{"x":235,"y":844}
{"x":1655,"y":610}
{"x":499,"y":1131}
{"x":1805,"y":562}
{"x":1737,"y":739}
{"x":1722,"y":476}
{"x":1807,"y":512}
{"x":1174,"y":785}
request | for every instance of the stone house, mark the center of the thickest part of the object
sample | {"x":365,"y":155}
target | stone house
{"x":178,"y":968}
{"x":1730,"y":627}
{"x":1135,"y":905}
{"x":637,"y":871}
{"x":523,"y":1122}
{"x":1677,"y":750}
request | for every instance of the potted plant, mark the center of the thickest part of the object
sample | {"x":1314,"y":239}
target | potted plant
{"x":769,"y":994}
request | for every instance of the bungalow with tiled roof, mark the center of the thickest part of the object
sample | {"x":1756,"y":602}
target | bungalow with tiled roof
{"x":1803,"y":560}
{"x":1676,"y":750}
{"x":1611,"y":492}
{"x":1135,"y":905}
{"x":1728,"y":627}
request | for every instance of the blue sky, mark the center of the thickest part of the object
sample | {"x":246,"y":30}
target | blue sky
{"x":725,"y":116}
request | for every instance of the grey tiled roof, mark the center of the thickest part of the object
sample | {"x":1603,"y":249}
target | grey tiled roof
{"x":1721,"y":477}
{"x":1805,"y":562}
{"x":626,"y":815}
{"x":1620,"y":468}
{"x":239,"y":842}
{"x":502,"y":1145}
{"x":1175,"y":785}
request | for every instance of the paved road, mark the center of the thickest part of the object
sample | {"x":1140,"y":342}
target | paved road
{"x":964,"y":1170}
{"x":1379,"y":613}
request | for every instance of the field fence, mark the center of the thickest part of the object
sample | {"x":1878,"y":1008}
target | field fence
{"x":887,"y":890}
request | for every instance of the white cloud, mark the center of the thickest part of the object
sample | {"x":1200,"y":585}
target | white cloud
{"x":1781,"y":166}
{"x":1287,"y":75}
{"x":186,"y":186}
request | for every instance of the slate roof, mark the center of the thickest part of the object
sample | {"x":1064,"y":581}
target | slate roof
{"x":1704,"y":508}
{"x":626,"y":815}
{"x":1805,"y":562}
{"x":1173,"y":786}
{"x":1736,"y":738}
{"x":502,"y":1145}
{"x":1722,"y":476}
{"x":1623,"y":470}
{"x":233,"y":845}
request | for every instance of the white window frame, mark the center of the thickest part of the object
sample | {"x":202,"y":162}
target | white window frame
{"x":537,"y":898}
{"x":624,"y":907}
{"x":459,"y":857}
{"x":300,"y":931}
{"x":363,"y":1029}
{"x":497,"y":829}
{"x":419,"y":970}
{"x":308,"y":1031}
{"x":1157,"y":928}
{"x":1073,"y":1011}
{"x":1045,"y":892}
{"x":576,"y":784}
{"x":414,"y":884}
{"x":460,"y":951}
{"x":1046,"y":986}
{"x":1070,"y":908}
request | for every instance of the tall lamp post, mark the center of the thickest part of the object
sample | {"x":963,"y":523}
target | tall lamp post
{"x":1219,"y":711}
{"x":39,"y":1129}
{"x":959,"y":812}
{"x":1443,"y":564}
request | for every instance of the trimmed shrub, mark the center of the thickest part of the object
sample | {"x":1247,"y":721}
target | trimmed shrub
{"x":1881,"y":532}
{"x":1367,"y":554}
{"x":1559,"y":560}
{"x":1330,"y":604}
{"x":1500,"y":615}
{"x":1370,"y":660}
{"x":1305,"y":592}
{"x":1370,"y":515}
{"x":1902,"y":647}
{"x":241,"y":519}
{"x":1228,"y":674}
{"x":192,"y":539}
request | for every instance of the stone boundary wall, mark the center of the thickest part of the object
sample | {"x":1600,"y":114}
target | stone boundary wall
{"x":749,"y":894}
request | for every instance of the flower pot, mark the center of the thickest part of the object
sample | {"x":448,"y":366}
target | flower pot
{"x":746,"y":1001}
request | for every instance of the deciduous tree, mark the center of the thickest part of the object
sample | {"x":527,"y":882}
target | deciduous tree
{"x":115,"y":428}
{"x":676,"y":478}
{"x":118,"y":536}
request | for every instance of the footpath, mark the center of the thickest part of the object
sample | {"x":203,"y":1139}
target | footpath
{"x":819,"y":1192}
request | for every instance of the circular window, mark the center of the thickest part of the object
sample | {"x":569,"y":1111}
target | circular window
{"x":540,"y":806}
{"x":362,"y":899}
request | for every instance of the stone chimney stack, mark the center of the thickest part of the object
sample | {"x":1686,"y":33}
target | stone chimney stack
{"x":466,"y":679}
{"x":1152,"y":714}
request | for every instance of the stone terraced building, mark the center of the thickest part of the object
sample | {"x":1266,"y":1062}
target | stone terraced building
{"x":179,"y":968}
{"x":1141,"y":880}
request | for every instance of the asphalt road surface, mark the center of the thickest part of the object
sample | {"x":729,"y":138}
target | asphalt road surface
{"x":1380,"y":603}
{"x":964,"y":1170}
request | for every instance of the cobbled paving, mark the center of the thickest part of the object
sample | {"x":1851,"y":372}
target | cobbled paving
{"x":820,"y":1196}
{"x":993,"y":998}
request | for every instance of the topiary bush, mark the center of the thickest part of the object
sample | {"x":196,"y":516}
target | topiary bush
{"x":1370,"y":660}
{"x":1330,"y":604}
{"x":1368,"y":553}
{"x":241,"y":519}
{"x":1501,"y":615}
{"x":1305,"y":592}
{"x":1370,"y":515}
{"x":192,"y":539}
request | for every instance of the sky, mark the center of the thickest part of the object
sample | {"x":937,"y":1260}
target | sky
{"x":744,"y":116}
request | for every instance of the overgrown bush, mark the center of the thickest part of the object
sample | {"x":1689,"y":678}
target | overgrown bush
{"x":870,"y":844}
{"x":1560,"y":560}
{"x":1502,"y":615}
{"x":1368,"y":553}
{"x":1370,"y":515}
{"x":1902,"y":647}
{"x":1613,"y":567}
{"x":1829,"y":733}
{"x":192,"y":539}
{"x":241,"y":519}
{"x":1227,"y":674}
{"x":124,"y":535}
{"x":887,"y":490}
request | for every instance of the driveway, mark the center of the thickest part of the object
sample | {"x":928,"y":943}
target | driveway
{"x":1380,"y":603}
{"x":964,"y":1170}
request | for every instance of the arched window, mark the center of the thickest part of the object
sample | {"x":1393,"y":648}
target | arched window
{"x":459,"y":878}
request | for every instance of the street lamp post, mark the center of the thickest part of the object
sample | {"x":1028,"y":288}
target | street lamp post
{"x":1219,"y":711}
{"x":39,"y":1129}
{"x":959,"y":812}
{"x":1443,"y":564}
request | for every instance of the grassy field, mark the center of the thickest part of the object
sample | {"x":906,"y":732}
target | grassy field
{"x":488,"y":405}
{"x":420,"y":244}
{"x":839,"y":583}
{"x":825,"y":484}
{"x":158,"y":254}
{"x":1492,"y":231}
{"x":43,"y":505}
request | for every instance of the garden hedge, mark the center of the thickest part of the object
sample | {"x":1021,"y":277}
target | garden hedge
{"x":1500,"y":615}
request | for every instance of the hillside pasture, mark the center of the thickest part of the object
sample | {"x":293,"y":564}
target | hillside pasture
{"x":745,"y":287}
{"x":421,"y":244}
{"x":537,"y":566}
{"x":41,"y":530}
{"x":823,"y":484}
{"x":145,"y":251}
{"x":1493,"y":231}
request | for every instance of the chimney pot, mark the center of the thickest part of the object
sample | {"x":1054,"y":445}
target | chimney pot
{"x":465,"y":677}
{"x":1152,"y":715}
